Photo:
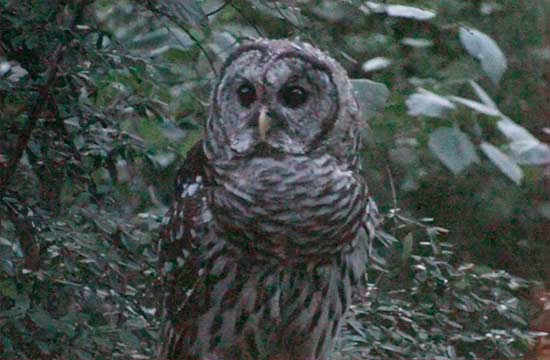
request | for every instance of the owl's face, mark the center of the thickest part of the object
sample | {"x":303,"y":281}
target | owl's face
{"x":277,"y":95}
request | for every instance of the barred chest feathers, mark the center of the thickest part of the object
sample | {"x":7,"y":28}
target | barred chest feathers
{"x":249,"y":307}
{"x":289,"y":208}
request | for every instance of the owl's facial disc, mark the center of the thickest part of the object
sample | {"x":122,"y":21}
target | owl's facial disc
{"x":301,"y":101}
{"x":237,"y":101}
{"x":285,"y":102}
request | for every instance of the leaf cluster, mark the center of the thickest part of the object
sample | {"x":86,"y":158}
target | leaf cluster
{"x":422,"y":304}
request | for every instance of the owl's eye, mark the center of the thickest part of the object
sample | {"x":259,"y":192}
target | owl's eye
{"x":294,"y":96}
{"x":246,"y":94}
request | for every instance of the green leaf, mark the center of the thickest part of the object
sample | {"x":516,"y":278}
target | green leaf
{"x":8,"y":289}
{"x":44,"y":347}
{"x":514,"y":131}
{"x":427,"y":103}
{"x":453,"y":148}
{"x":403,"y":11}
{"x":83,"y":355}
{"x":370,"y":95}
{"x":417,"y":42}
{"x":129,"y":339}
{"x":178,"y":54}
{"x":136,"y":323}
{"x":43,"y":320}
{"x":409,"y":12}
{"x":503,"y":162}
{"x":524,"y":147}
{"x":187,"y":11}
{"x":375,"y":64}
{"x":483,"y":96}
{"x":486,"y":50}
{"x":476,"y":106}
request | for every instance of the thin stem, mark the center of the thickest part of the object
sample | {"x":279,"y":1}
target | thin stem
{"x":42,"y":100}
{"x":151,"y":6}
{"x":251,"y":22}
{"x":35,"y":110}
{"x":213,"y":12}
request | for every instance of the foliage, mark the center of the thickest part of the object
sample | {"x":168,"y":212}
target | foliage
{"x":76,"y":250}
{"x":100,"y":100}
{"x":422,"y":306}
{"x":462,"y":99}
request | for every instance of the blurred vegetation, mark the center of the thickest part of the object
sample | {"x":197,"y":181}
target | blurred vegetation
{"x":100,"y":100}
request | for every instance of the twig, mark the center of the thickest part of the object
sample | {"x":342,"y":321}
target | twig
{"x":199,"y":45}
{"x":251,"y":22}
{"x":394,"y":198}
{"x":284,"y":16}
{"x":392,"y":186}
{"x":62,"y":128}
{"x":34,"y":114}
{"x":213,"y":12}
{"x":151,"y":6}
{"x":180,"y":42}
{"x":39,"y":104}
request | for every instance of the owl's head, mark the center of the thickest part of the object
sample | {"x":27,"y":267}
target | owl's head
{"x":281,"y":97}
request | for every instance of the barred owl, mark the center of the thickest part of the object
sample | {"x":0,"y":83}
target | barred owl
{"x":267,"y":241}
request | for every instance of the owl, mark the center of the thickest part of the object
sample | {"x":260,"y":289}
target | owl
{"x":268,"y":239}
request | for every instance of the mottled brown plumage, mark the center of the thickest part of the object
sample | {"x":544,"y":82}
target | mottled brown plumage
{"x":269,"y":235}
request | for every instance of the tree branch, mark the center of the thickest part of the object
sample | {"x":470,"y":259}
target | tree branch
{"x":156,"y":10}
{"x":42,"y":100}
{"x":215,"y":11}
{"x":35,"y":110}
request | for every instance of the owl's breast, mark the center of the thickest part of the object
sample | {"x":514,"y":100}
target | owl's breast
{"x":290,"y":207}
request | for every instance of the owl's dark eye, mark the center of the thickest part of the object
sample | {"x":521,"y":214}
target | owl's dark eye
{"x":246,"y":94}
{"x":294,"y":96}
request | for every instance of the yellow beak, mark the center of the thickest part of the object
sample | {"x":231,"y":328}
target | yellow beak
{"x":264,"y":123}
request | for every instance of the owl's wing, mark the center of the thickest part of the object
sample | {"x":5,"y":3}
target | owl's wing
{"x":179,"y":243}
{"x":177,"y":233}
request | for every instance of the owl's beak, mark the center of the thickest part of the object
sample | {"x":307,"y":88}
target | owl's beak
{"x":264,"y":123}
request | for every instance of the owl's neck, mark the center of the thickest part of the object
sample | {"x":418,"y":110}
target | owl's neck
{"x":293,"y":207}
